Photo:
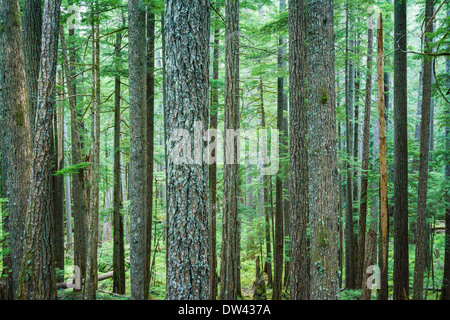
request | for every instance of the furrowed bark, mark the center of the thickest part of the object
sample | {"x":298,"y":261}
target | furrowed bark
{"x":298,"y":129}
{"x":16,"y":137}
{"x":37,"y":274}
{"x":401,"y":261}
{"x":138,"y":135}
{"x":187,"y":32}
{"x":229,"y":263}
{"x":322,"y":154}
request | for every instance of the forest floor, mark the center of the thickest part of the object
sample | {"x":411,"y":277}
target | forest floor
{"x":433,"y":278}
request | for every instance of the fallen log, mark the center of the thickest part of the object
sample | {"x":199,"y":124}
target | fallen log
{"x":113,"y":294}
{"x":70,"y":284}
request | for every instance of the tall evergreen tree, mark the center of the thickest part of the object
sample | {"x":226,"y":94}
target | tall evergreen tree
{"x":230,"y":234}
{"x":279,"y":232}
{"x":138,"y":135}
{"x":37,"y":278}
{"x":118,"y":250}
{"x":15,"y":134}
{"x":150,"y":134}
{"x":92,"y":245}
{"x":421,"y":243}
{"x":322,"y":156}
{"x":401,"y":262}
{"x":298,"y":151}
{"x":187,"y":32}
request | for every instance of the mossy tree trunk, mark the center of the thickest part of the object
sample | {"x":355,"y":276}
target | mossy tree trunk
{"x":15,"y":135}
{"x":37,"y":278}
{"x":322,"y":153}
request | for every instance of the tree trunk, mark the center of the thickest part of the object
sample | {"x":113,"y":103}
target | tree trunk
{"x":32,"y":34}
{"x":118,"y":250}
{"x":322,"y":155}
{"x":150,"y":135}
{"x":229,"y":263}
{"x":267,"y":211}
{"x":365,"y":158}
{"x":67,"y":188}
{"x":15,"y":140}
{"x":79,"y":193}
{"x":420,"y":239}
{"x":37,"y":279}
{"x":384,"y":218}
{"x":370,"y":251}
{"x":187,"y":109}
{"x":387,"y":97}
{"x":341,"y":203}
{"x":298,"y":153}
{"x":58,"y":191}
{"x":401,"y":262}
{"x":138,"y":151}
{"x":213,"y":170}
{"x":350,"y":272}
{"x":279,"y":232}
{"x":93,"y":226}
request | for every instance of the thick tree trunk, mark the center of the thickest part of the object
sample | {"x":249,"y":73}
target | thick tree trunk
{"x":37,"y":274}
{"x":138,"y":150}
{"x":230,"y":234}
{"x":298,"y":153}
{"x":187,"y":32}
{"x":401,"y":262}
{"x":322,"y":155}
{"x":163,"y":50}
{"x":150,"y":135}
{"x":93,"y":234}
{"x":15,"y":140}
{"x":420,"y":239}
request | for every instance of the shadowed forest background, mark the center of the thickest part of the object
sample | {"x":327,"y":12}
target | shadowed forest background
{"x":94,"y":207}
